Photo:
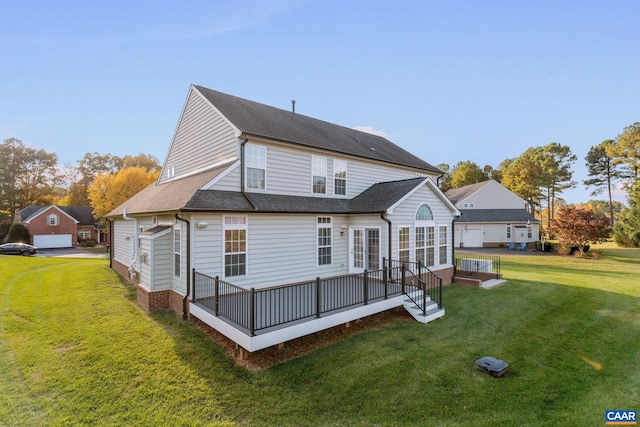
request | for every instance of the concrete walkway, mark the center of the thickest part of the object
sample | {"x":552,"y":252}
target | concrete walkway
{"x":72,"y":253}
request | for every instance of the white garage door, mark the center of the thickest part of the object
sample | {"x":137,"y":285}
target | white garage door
{"x":52,"y":240}
{"x":472,"y":238}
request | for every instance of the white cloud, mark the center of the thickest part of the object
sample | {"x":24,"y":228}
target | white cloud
{"x":371,"y":130}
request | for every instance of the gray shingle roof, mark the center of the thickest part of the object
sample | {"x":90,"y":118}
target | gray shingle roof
{"x":262,"y":120}
{"x":495,"y":215}
{"x":186,"y":195}
{"x":461,"y":193}
{"x":169,"y":196}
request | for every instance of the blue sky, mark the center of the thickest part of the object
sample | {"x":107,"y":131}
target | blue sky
{"x":447,"y":80}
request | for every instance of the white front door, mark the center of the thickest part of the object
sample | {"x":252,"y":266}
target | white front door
{"x":364,"y":249}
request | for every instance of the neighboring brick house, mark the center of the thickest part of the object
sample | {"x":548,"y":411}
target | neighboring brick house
{"x":59,"y":226}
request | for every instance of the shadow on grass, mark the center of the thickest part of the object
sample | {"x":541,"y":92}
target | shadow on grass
{"x":406,"y":373}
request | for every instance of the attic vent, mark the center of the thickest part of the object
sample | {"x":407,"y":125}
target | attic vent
{"x":293,"y":105}
{"x":372,"y":149}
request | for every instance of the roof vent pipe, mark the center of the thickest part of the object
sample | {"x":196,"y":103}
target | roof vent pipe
{"x":293,"y":105}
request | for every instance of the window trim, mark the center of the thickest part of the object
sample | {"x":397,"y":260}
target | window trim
{"x":441,"y":245}
{"x":240,"y":226}
{"x":326,"y":225}
{"x":177,"y":255}
{"x":55,"y":218}
{"x":324,"y":169}
{"x":249,"y":165}
{"x":509,"y":231}
{"x":344,"y":168}
{"x":408,"y":242}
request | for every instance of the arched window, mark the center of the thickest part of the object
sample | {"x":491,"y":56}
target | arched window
{"x":424,"y":213}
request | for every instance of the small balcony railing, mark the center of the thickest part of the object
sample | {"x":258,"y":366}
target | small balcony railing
{"x":482,"y":267}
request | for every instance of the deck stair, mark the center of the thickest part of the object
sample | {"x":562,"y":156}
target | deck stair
{"x":432,"y":311}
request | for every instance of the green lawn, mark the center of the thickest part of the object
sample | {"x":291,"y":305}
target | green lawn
{"x":76,"y":350}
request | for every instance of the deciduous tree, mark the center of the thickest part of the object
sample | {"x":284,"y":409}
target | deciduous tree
{"x":628,"y":154}
{"x":579,"y":227}
{"x":109,"y":191}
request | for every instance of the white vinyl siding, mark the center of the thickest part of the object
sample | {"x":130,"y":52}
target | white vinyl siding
{"x":289,"y":172}
{"x":121,"y":233}
{"x":280,"y":249}
{"x":405,"y":213}
{"x":202,"y":138}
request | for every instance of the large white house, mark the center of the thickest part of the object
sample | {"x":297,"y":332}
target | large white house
{"x":492,"y":216}
{"x":255,"y":199}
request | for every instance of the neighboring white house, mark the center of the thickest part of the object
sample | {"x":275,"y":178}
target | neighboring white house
{"x":492,"y":216}
{"x":260,"y":197}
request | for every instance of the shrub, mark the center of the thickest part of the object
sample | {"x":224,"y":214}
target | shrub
{"x":18,"y":233}
{"x":595,"y":254}
{"x":563,"y":250}
{"x":88,"y":243}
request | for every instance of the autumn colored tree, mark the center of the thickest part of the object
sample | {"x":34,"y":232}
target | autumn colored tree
{"x":94,"y":164}
{"x":579,"y":227}
{"x":445,"y":179}
{"x":109,"y":191}
{"x":523,"y":176}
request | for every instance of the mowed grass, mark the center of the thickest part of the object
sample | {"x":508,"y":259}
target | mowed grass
{"x":76,"y":350}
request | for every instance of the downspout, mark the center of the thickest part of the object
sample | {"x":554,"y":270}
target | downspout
{"x":184,"y":300}
{"x":385,"y":219}
{"x":132,"y":270}
{"x":109,"y":243}
{"x":242,"y":144}
{"x":453,"y":246}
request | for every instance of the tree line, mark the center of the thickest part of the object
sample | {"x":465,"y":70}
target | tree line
{"x":541,"y":174}
{"x":103,"y":181}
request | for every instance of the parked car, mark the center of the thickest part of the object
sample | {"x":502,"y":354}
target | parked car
{"x":18,"y":249}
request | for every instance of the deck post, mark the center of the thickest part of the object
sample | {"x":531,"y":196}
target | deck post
{"x":193,"y":285}
{"x":404,"y":275}
{"x":216,"y":296}
{"x":385,"y":279}
{"x":365,"y":283}
{"x":318,"y":297}
{"x":424,"y":290}
{"x":252,"y":315}
{"x":440,"y":297}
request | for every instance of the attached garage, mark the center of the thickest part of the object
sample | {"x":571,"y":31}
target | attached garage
{"x":53,"y":240}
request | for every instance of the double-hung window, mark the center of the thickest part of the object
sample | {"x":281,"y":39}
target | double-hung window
{"x":442,"y":244}
{"x":340,"y":177}
{"x":319,"y":174}
{"x":177,"y":252}
{"x":324,"y":232}
{"x":52,"y":219}
{"x":235,"y":246}
{"x":256,"y":160}
{"x":508,"y":231}
{"x":404,"y":244}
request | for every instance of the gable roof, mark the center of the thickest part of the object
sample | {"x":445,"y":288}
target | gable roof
{"x":253,"y":118}
{"x":461,"y":193}
{"x":83,"y":215}
{"x":496,"y":215}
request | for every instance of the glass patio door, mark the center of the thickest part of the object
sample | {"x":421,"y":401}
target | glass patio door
{"x":364,"y":249}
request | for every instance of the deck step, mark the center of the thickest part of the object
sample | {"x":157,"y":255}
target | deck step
{"x":432,"y":312}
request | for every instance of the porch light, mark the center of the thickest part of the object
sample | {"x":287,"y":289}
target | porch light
{"x":343,"y":228}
